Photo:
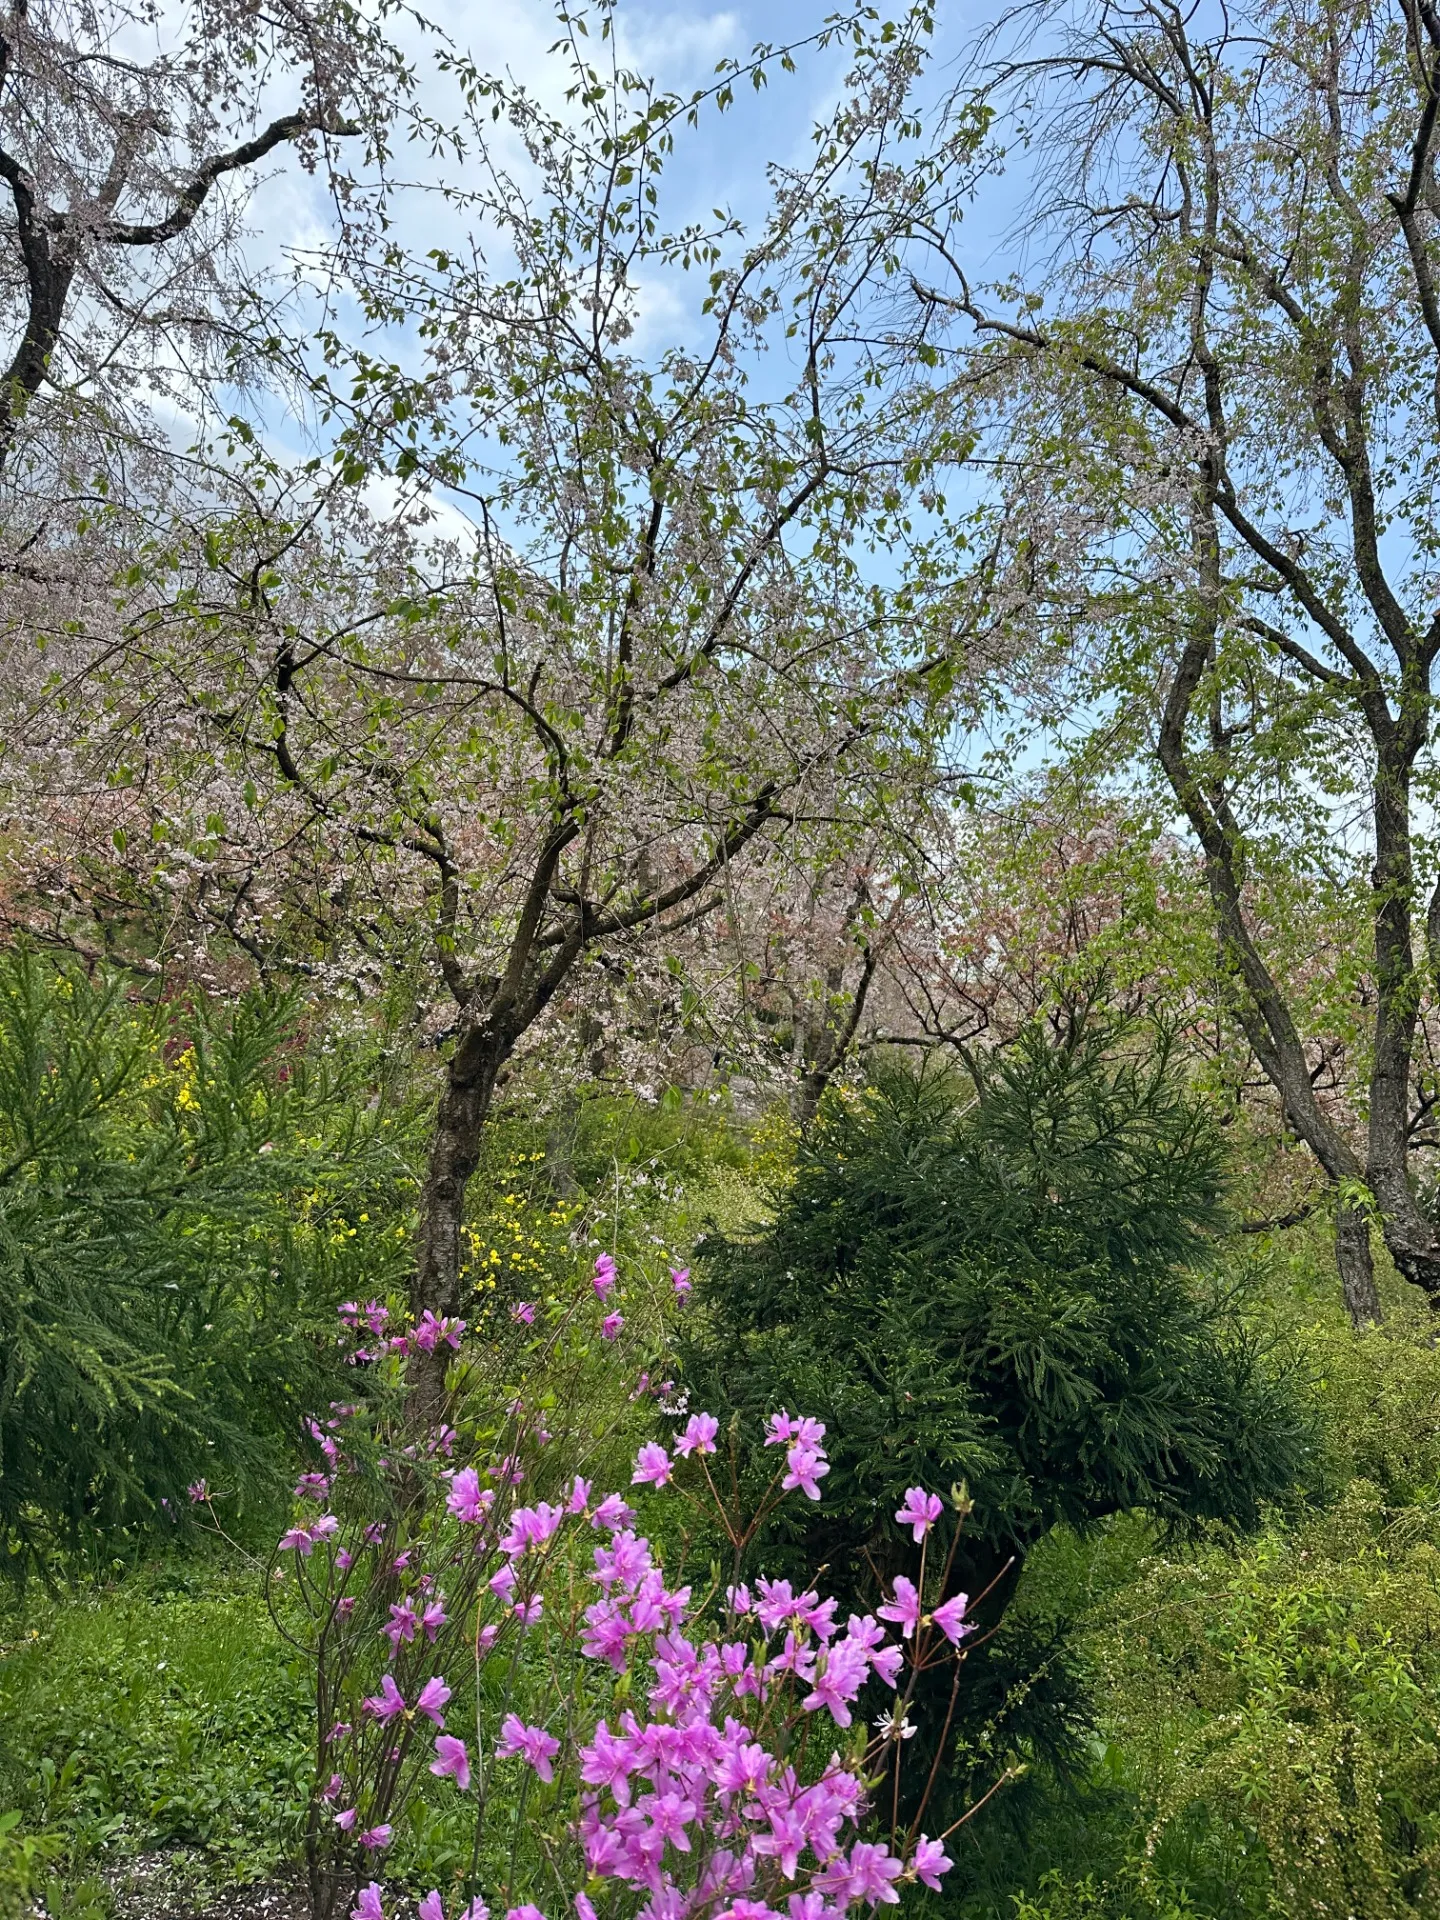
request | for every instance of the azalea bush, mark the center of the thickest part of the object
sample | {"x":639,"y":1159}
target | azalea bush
{"x":627,"y":1730}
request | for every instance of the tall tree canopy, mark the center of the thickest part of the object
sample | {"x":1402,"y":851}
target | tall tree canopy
{"x":1218,"y":408}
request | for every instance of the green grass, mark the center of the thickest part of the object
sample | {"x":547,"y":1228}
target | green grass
{"x":164,"y":1711}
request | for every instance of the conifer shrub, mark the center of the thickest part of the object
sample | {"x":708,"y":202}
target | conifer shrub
{"x":186,"y":1189}
{"x":1010,"y":1282}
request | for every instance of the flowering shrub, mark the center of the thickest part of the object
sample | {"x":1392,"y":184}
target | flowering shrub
{"x":702,"y":1749}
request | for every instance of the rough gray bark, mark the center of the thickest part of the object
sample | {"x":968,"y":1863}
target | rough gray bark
{"x":1357,"y":1268}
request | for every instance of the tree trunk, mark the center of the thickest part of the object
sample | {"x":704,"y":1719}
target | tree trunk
{"x":1410,"y":1239}
{"x":1357,"y":1268}
{"x":832,"y":1044}
{"x":1268,"y":1024}
{"x":463,"y":1108}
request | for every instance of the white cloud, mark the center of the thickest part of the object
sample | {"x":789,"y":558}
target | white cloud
{"x":673,"y":45}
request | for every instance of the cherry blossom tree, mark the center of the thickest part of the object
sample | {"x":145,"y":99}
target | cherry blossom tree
{"x":1216,"y":408}
{"x":122,"y":131}
{"x":571,"y":626}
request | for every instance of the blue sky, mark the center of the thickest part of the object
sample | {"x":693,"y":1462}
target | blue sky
{"x":720,"y":165}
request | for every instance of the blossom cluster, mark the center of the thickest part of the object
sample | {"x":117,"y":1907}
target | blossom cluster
{"x":691,"y":1803}
{"x":706,"y":1784}
{"x":687,"y":1800}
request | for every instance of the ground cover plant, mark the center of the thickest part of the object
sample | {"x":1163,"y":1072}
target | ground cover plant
{"x":157,"y":1709}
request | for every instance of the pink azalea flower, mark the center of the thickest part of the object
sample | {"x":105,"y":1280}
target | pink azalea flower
{"x":467,"y":1500}
{"x":451,"y":1758}
{"x":388,"y":1703}
{"x":781,"y":1428}
{"x":523,"y":1313}
{"x":527,"y":1912}
{"x":531,"y":1527}
{"x":778,"y":1602}
{"x":604,"y":1277}
{"x":844,"y":1669}
{"x":806,"y":1466}
{"x":920,"y":1510}
{"x":401,"y":1626}
{"x":367,"y":1903}
{"x":477,"y":1910}
{"x":652,"y":1465}
{"x":609,"y":1761}
{"x":610,"y":1326}
{"x":904,"y":1609}
{"x":929,"y":1861}
{"x":533,"y":1744}
{"x":199,"y":1491}
{"x":432,"y":1330}
{"x":950,"y":1618}
{"x":605,"y":1633}
{"x":680,"y":1280}
{"x":432,"y":1907}
{"x":376,"y":1838}
{"x":579,"y":1496}
{"x":431,"y":1702}
{"x":346,"y":1820}
{"x":886,"y":1663}
{"x":612,"y":1512}
{"x":873,"y":1873}
{"x":699,"y":1434}
{"x":433,"y":1618}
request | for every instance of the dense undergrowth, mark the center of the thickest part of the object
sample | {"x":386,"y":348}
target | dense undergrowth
{"x":1265,"y":1715}
{"x":1250,"y":1720}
